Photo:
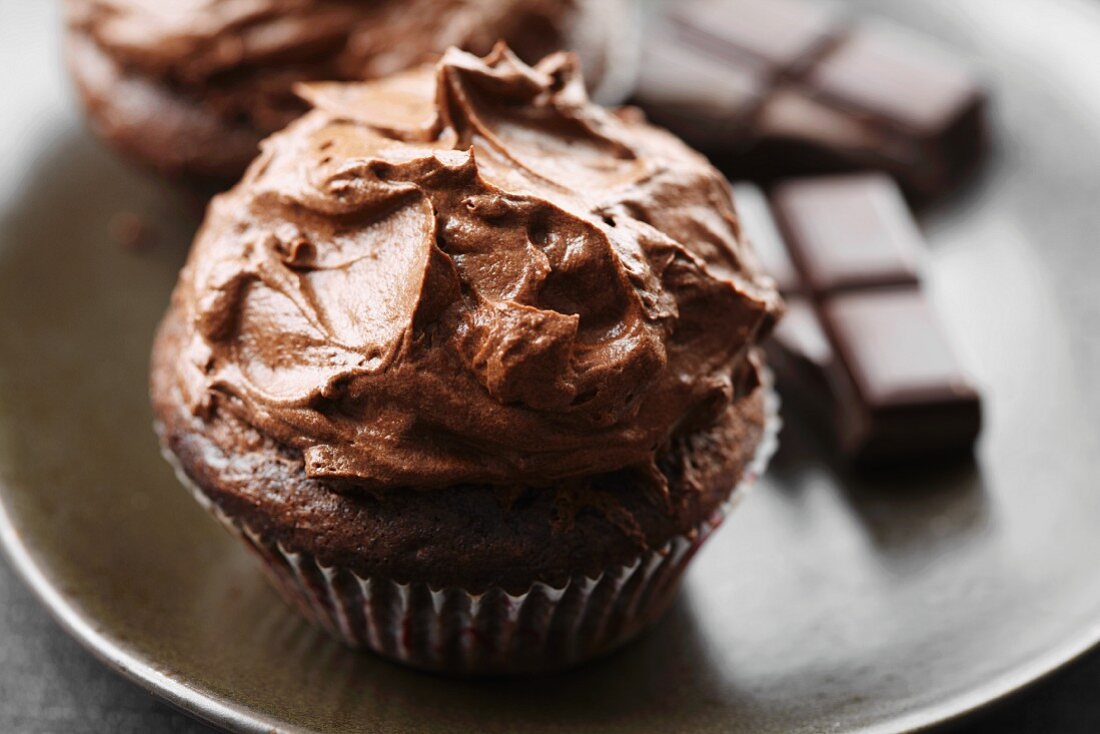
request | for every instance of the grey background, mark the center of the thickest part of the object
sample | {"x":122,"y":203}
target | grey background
{"x":48,"y":683}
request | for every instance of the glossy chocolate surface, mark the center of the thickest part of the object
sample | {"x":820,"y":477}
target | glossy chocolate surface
{"x":849,"y":232}
{"x":863,"y":348}
{"x":828,"y":94}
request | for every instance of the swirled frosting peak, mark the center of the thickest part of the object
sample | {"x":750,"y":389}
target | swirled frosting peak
{"x":471,"y":274}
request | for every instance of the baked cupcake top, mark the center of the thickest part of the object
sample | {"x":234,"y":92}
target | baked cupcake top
{"x":242,"y":57}
{"x":469,"y":274}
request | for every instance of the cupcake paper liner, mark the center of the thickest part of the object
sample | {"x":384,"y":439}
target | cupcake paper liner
{"x":492,"y":632}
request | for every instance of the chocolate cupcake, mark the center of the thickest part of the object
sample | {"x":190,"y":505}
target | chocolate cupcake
{"x":190,"y":88}
{"x":471,"y":364}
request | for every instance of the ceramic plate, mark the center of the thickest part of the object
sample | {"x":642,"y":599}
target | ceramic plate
{"x":828,"y":602}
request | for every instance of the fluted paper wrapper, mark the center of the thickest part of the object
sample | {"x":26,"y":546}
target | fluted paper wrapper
{"x":492,"y":632}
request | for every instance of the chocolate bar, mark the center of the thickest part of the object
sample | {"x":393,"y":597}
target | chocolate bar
{"x":849,"y":232}
{"x":799,"y":351}
{"x":758,"y":223}
{"x":782,"y":35}
{"x":815,"y":93}
{"x":704,"y":102}
{"x":913,"y":398}
{"x":860,"y":344}
{"x":803,"y":359}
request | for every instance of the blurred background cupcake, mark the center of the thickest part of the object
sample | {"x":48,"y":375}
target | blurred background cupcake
{"x":189,"y":88}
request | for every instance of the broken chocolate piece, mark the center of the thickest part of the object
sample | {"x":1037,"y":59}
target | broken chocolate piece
{"x":828,"y":95}
{"x":783,"y":35}
{"x":705,"y":103}
{"x":848,"y":232}
{"x":802,"y":357}
{"x":911,"y":397}
{"x":758,"y":223}
{"x":867,"y":357}
{"x":892,"y":75}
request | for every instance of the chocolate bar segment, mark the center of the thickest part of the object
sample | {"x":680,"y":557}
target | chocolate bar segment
{"x":759,"y":225}
{"x":707,"y":104}
{"x":849,"y":232}
{"x":869,"y":360}
{"x":783,"y":35}
{"x":828,"y":95}
{"x":911,"y":397}
{"x":898,"y":79}
{"x":923,"y":102}
{"x":804,"y":361}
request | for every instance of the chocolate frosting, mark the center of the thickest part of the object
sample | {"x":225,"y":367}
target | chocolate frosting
{"x":471,"y":274}
{"x":241,"y":58}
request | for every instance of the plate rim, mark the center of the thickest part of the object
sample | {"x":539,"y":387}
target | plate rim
{"x":219,"y":711}
{"x":204,"y":706}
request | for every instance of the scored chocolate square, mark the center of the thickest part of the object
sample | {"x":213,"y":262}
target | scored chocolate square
{"x":804,"y":361}
{"x":900,"y":79}
{"x":828,"y":96}
{"x":783,"y":35}
{"x":848,"y":232}
{"x":912,"y":395}
{"x":758,"y":224}
{"x":704,"y":102}
{"x":861,"y":347}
